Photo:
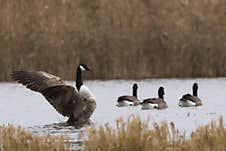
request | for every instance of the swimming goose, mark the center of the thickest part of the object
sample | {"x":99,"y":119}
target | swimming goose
{"x":76,"y":103}
{"x":189,"y":100}
{"x":129,"y":100}
{"x":157,"y":103}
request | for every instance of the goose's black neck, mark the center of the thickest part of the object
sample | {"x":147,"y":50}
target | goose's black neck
{"x":161,"y":93}
{"x":135,"y":92}
{"x":79,"y":82}
{"x":161,"y":96}
{"x":195,"y":91}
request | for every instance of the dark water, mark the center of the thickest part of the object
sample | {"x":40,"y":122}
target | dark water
{"x":20,"y":106}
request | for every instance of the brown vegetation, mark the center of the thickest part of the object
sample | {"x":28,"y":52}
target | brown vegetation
{"x":130,"y":135}
{"x":135,"y":135}
{"x":118,"y":38}
{"x":17,"y":139}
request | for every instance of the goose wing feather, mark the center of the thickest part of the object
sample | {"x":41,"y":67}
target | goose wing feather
{"x":64,"y":98}
{"x":187,"y":97}
{"x":152,"y":100}
{"x":36,"y":80}
{"x":128,"y":98}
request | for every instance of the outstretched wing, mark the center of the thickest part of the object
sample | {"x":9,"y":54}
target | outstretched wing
{"x":63,"y":98}
{"x":36,"y":80}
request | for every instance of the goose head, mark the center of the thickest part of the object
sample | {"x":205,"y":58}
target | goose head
{"x":84,"y":67}
{"x":195,"y":86}
{"x":135,"y":86}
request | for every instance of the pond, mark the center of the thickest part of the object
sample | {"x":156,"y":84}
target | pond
{"x":20,"y":106}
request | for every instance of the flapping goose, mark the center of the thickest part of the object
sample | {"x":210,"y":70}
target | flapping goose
{"x":77,"y":104}
{"x":157,"y":103}
{"x":129,"y":100}
{"x":189,"y":100}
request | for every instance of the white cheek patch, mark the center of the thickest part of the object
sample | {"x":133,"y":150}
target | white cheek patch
{"x":82,"y":68}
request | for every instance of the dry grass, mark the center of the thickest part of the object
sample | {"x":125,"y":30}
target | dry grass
{"x":135,"y":135}
{"x":130,"y":135}
{"x":119,"y":39}
{"x":17,"y":139}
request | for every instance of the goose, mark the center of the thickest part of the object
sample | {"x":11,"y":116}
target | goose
{"x":76,"y":103}
{"x":189,"y":100}
{"x":129,"y":100}
{"x":157,"y":103}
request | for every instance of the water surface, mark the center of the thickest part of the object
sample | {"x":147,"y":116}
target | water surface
{"x":20,"y":106}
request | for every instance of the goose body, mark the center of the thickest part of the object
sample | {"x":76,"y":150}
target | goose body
{"x":85,"y":92}
{"x":127,"y":100}
{"x":189,"y":100}
{"x":155,"y":103}
{"x":76,"y":103}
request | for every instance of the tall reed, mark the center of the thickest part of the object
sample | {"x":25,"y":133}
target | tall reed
{"x":118,"y":39}
{"x":130,"y":135}
{"x":17,"y":139}
{"x":134,"y":135}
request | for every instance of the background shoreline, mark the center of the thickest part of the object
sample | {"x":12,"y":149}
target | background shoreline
{"x":117,"y":39}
